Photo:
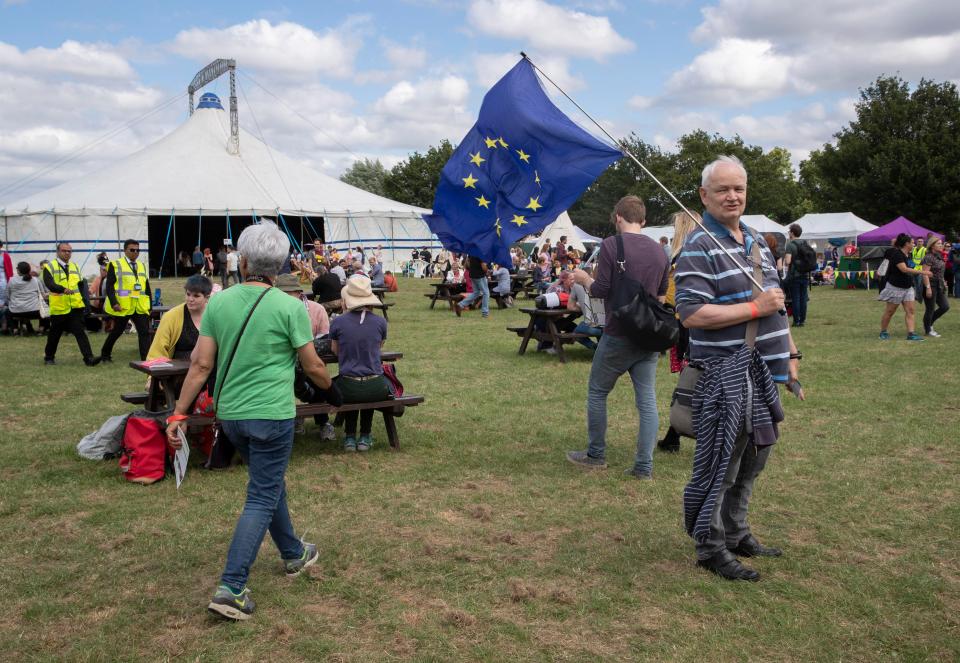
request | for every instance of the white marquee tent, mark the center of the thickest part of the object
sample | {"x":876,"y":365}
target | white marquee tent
{"x":759,"y":222}
{"x":190,"y":173}
{"x":563,"y":226}
{"x":838,"y":225}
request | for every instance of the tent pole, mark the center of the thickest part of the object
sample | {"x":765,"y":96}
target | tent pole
{"x":176,"y":258}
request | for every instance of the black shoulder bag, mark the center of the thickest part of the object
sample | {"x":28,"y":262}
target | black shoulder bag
{"x":650,"y":325}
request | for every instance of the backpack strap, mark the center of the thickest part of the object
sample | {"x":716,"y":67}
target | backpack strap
{"x":236,"y":344}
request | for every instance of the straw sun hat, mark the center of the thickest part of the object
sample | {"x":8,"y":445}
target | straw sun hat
{"x":358,"y":292}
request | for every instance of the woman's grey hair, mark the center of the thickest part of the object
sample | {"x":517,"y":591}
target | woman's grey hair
{"x":265,"y":247}
{"x":713,"y":165}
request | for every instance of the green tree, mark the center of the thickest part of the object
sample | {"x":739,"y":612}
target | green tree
{"x":900,"y":156}
{"x":772,"y":187}
{"x":367,"y":175}
{"x":414,"y":180}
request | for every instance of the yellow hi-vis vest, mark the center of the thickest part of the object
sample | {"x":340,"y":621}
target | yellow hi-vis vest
{"x":917,"y":254}
{"x":131,"y":289}
{"x":70,"y":279}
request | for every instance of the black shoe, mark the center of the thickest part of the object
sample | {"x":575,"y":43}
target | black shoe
{"x":106,"y":359}
{"x":750,"y":547}
{"x":49,"y":362}
{"x":668,"y":445}
{"x":725,"y":565}
{"x":92,"y":361}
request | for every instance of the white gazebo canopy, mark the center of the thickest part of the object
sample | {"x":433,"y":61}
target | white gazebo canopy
{"x":563,"y":226}
{"x":838,"y":225}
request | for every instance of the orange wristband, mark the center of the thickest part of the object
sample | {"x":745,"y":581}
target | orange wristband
{"x":754,"y":311}
{"x":177,"y":417}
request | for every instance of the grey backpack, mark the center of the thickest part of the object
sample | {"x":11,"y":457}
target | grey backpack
{"x":105,"y":443}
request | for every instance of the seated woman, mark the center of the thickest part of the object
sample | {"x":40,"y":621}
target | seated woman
{"x":319,"y":320}
{"x":502,"y":277}
{"x":326,"y":289}
{"x":23,"y":300}
{"x":356,"y":338}
{"x":179,"y":327}
{"x":390,"y":282}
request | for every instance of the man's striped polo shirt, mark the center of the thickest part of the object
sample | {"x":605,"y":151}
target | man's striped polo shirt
{"x":706,"y":275}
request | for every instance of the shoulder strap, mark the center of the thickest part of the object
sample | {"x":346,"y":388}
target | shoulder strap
{"x":236,"y":344}
{"x":752,"y":326}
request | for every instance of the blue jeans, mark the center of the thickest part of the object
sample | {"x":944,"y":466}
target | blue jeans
{"x":265,"y":446}
{"x":584,"y":328}
{"x":480,"y":287}
{"x":614,"y":357}
{"x":799,"y":293}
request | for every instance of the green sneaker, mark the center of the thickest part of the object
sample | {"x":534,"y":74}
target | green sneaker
{"x":884,"y":336}
{"x":365,"y":443}
{"x":350,"y":443}
{"x":310,"y":555}
{"x":913,"y":336}
{"x":237,"y":607}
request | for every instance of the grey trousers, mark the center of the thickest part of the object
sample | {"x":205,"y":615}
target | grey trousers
{"x":728,"y":525}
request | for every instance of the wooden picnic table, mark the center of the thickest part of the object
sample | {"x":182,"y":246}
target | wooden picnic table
{"x":165,"y":380}
{"x":549,"y":316}
{"x":444,"y":292}
{"x":383,"y":306}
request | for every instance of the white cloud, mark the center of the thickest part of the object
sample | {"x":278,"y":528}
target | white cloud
{"x":764,"y":48}
{"x":548,"y":28}
{"x":800,"y":131}
{"x":403,"y":57}
{"x":737,"y":72}
{"x":640,"y":102}
{"x":71,"y":58}
{"x":283,"y":47}
{"x":491,"y":67}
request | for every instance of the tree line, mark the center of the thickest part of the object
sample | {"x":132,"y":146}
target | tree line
{"x":900,"y":156}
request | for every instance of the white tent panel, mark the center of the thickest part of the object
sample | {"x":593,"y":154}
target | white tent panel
{"x":763,"y":224}
{"x":839,"y":225}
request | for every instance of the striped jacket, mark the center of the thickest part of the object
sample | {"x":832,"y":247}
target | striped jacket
{"x":706,"y":275}
{"x":734,"y":393}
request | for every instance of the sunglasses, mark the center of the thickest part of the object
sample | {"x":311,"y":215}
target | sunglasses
{"x":133,"y":250}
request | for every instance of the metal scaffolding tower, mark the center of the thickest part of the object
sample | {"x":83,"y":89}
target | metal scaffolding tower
{"x":207,"y":75}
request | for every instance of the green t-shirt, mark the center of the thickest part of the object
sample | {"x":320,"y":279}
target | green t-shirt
{"x":260,"y":382}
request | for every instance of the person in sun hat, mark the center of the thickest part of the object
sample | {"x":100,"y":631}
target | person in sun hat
{"x":356,"y":338}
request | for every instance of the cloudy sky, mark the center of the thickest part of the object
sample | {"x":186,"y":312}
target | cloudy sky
{"x":330,"y":82}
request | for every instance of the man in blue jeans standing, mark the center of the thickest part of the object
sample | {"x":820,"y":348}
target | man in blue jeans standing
{"x":645,"y":262}
{"x":477,"y":271}
{"x":260,"y":332}
{"x":797,"y":283}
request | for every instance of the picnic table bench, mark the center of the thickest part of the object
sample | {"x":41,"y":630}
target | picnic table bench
{"x":549,"y":316}
{"x":443,"y":292}
{"x":165,"y":381}
{"x":383,"y":306}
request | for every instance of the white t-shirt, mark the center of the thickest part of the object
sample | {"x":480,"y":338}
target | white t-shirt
{"x":232,"y":261}
{"x":591,"y":307}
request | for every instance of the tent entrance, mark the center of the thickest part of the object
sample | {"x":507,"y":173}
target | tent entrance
{"x":169,"y":243}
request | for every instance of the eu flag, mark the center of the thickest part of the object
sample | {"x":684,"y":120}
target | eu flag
{"x":521,"y":165}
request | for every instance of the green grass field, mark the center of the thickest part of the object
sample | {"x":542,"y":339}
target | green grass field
{"x":478,"y":541}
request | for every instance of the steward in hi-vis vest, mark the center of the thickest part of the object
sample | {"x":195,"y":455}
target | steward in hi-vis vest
{"x":130,"y":289}
{"x":128,"y":299}
{"x":62,"y":279}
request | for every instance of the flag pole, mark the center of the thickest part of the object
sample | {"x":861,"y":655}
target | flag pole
{"x":623,"y":148}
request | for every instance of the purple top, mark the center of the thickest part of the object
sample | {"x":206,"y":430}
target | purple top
{"x":645,"y":262}
{"x":359,"y":352}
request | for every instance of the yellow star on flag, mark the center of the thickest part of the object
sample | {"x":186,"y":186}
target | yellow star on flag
{"x":483,"y":202}
{"x":534,"y":204}
{"x":537,"y":177}
{"x":496,"y":224}
{"x":491,"y":142}
{"x":524,"y":157}
{"x":502,"y":142}
{"x":476,"y":158}
{"x":469,"y":181}
{"x":519,"y":220}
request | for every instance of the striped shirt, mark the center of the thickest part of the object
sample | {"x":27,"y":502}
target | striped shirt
{"x":706,"y":275}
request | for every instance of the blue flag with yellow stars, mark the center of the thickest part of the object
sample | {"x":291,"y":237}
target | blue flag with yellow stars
{"x":521,"y":165}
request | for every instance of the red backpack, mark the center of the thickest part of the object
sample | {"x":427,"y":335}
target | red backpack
{"x":144,"y":448}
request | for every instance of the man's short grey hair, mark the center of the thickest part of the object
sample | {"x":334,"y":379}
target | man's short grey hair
{"x":265,"y":247}
{"x":713,"y":165}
